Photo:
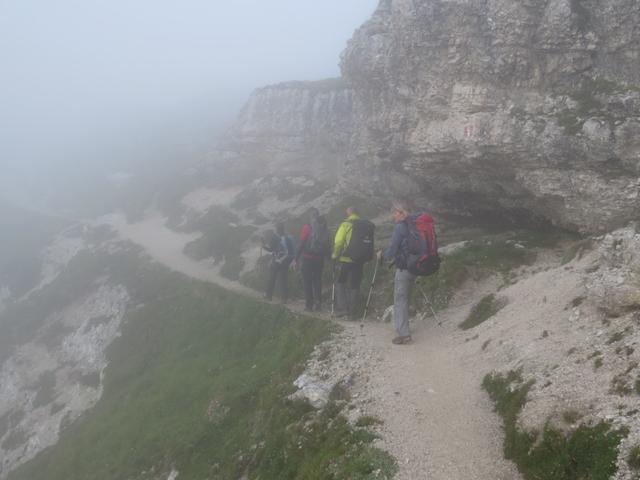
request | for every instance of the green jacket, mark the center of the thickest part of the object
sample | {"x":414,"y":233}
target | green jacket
{"x":343,"y":237}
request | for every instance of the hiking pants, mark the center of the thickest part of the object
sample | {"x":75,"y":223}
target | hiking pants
{"x":350,"y":275}
{"x":403,"y":285}
{"x":312,"y":278}
{"x":278,"y":272}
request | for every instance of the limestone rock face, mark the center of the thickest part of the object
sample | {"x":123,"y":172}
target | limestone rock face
{"x":615,"y":285}
{"x":524,"y":108}
{"x":295,"y":128}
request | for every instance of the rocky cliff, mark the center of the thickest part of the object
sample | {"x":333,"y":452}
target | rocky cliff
{"x":290,"y":129}
{"x":527,"y":108}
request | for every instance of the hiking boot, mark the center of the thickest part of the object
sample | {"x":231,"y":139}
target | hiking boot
{"x":401,"y":340}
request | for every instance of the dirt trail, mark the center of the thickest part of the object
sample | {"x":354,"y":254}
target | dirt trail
{"x":438,"y":422}
{"x":166,"y":246}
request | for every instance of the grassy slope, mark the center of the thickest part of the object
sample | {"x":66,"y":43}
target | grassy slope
{"x":197,"y":381}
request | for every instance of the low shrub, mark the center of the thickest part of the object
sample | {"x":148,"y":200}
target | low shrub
{"x":482,"y":311}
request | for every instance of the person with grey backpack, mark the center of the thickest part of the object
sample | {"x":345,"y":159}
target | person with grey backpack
{"x":315,"y":246}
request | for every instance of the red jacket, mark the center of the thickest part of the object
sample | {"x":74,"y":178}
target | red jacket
{"x":305,"y":237}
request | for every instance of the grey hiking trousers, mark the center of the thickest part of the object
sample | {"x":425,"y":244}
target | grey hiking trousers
{"x":403,"y":285}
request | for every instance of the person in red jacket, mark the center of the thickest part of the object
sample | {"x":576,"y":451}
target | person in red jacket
{"x":315,"y":245}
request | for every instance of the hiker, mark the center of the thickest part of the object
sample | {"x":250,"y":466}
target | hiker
{"x":315,"y":245}
{"x":414,"y":252}
{"x":282,"y":254}
{"x":352,"y":248}
{"x":397,"y":253}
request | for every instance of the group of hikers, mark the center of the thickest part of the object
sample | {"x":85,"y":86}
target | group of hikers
{"x":412,"y":250}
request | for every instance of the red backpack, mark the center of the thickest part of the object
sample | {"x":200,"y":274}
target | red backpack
{"x":423,"y":259}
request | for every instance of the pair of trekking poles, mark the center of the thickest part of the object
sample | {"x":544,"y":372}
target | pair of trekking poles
{"x":373,"y":281}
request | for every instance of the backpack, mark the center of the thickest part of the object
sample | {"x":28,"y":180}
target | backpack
{"x":320,"y":239}
{"x":361,"y":248}
{"x":422,"y":258}
{"x":284,"y":251}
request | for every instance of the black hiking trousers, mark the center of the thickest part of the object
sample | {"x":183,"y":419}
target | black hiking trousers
{"x":278,"y":272}
{"x":348,"y":299}
{"x":350,"y":273}
{"x":312,"y":278}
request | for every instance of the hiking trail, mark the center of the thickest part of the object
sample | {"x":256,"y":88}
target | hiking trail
{"x":437,"y":421}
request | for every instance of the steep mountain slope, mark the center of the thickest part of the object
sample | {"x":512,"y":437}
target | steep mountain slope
{"x":485,"y":111}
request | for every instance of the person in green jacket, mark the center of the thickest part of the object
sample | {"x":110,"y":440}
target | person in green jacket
{"x":349,"y":275}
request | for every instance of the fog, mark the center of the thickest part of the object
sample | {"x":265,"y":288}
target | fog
{"x":96,"y":86}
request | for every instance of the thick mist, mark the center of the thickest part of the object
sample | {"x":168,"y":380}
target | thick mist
{"x":92,"y":89}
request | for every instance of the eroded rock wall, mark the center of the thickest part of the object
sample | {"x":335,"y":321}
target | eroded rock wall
{"x":294,"y":128}
{"x":527,"y":108}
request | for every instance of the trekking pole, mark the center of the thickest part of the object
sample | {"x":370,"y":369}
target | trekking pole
{"x":333,"y":289}
{"x":429,"y":304}
{"x":373,"y":281}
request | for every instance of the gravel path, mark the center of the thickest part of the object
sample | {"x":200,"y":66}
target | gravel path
{"x":438,"y":422}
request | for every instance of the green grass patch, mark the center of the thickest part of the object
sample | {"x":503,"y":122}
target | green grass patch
{"x":571,"y":416}
{"x":232,"y":267}
{"x":198,"y":382}
{"x":589,"y":452}
{"x":257,"y":279}
{"x":576,"y":302}
{"x":368,"y":421}
{"x":576,"y":250}
{"x":620,"y":385}
{"x":616,"y":337}
{"x":633,"y":459}
{"x":482,"y":311}
{"x":222,"y":239}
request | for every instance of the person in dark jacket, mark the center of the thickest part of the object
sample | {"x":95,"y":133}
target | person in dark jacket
{"x":397,"y":253}
{"x":315,"y":245}
{"x":282,"y":254}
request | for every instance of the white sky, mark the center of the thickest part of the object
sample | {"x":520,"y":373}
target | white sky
{"x":75,"y":71}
